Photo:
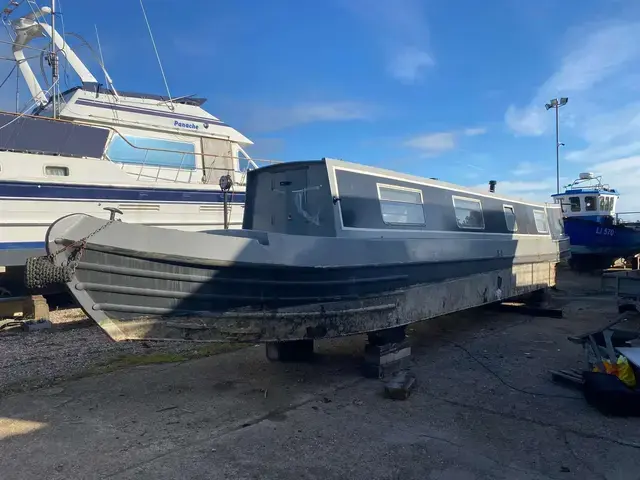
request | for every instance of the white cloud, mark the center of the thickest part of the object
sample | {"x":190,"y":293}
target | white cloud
{"x":599,"y":54}
{"x":269,"y":119}
{"x":407,"y":65}
{"x":601,"y":152}
{"x":472,"y":132}
{"x":330,"y":111}
{"x":402,"y":32}
{"x":610,"y":135}
{"x":433,"y":143}
{"x":526,"y":121}
{"x":524,"y":168}
{"x":628,"y":165}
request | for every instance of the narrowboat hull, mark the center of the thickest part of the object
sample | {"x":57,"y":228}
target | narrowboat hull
{"x":141,"y":283}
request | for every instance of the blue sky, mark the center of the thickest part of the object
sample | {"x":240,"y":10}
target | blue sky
{"x":451,"y":89}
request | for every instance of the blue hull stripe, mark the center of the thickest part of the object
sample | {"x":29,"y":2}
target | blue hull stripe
{"x":28,"y":190}
{"x":20,"y":245}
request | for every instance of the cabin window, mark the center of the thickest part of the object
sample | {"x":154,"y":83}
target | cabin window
{"x":590,"y":204}
{"x":606,"y":204}
{"x":401,"y":205}
{"x":56,"y":171}
{"x":575,"y":204}
{"x":510,"y":218}
{"x":468,"y":213}
{"x":152,"y":151}
{"x":541,"y":221}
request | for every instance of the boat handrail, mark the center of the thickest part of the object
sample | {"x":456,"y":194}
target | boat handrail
{"x":251,"y":162}
{"x":619,"y":221}
{"x":598,"y":186}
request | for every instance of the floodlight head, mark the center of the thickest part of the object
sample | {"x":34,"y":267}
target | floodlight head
{"x":563,"y":101}
{"x":547,"y":106}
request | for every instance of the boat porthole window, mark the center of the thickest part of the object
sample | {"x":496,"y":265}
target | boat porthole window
{"x":400,"y":205}
{"x":510,"y":218}
{"x":468,"y":213}
{"x":590,"y":204}
{"x":575,"y":204}
{"x":541,"y":221}
{"x":56,"y":171}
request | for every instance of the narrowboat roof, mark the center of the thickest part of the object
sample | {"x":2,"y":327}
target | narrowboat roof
{"x":394,"y":175}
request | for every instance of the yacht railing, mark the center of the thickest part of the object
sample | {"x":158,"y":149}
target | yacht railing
{"x":181,"y":174}
{"x":154,"y":171}
{"x":207,"y":170}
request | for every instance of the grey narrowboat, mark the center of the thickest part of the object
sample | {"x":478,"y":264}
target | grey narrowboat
{"x":328,"y":248}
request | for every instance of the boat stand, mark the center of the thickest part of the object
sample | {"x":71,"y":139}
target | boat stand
{"x":387,"y":352}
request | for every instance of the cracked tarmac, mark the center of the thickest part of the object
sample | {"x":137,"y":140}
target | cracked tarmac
{"x":238,"y":416}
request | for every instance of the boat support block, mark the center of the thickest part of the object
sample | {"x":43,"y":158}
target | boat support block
{"x":387,"y":352}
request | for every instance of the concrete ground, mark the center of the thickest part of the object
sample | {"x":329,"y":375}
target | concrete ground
{"x":238,"y":416}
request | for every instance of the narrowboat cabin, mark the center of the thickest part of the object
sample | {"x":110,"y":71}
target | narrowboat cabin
{"x":328,"y":248}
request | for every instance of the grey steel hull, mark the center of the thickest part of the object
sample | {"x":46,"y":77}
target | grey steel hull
{"x":139,"y":282}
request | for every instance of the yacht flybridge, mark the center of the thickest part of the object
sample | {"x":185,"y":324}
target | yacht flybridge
{"x":162,"y":161}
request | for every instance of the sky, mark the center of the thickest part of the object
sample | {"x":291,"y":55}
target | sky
{"x":452,"y":89}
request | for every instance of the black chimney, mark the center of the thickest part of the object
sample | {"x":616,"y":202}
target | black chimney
{"x":492,"y":186}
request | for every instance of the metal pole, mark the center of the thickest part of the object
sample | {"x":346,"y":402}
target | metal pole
{"x":226,"y":221}
{"x":54,"y":66}
{"x":18,"y":87}
{"x":557,"y":147}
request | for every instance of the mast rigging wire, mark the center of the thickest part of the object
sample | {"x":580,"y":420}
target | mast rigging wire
{"x":155,"y":49}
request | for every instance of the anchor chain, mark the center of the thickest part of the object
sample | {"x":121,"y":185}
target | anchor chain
{"x":41,"y":272}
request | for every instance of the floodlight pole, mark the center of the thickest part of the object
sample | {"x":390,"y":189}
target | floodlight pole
{"x":557,"y":148}
{"x":556,"y":103}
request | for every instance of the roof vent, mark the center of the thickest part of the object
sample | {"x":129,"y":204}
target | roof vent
{"x":587,"y":176}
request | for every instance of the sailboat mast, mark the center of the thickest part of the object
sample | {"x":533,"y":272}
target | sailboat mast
{"x":53,"y":61}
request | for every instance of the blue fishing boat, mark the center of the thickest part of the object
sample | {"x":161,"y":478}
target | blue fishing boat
{"x":596,"y":234}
